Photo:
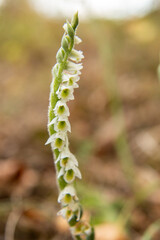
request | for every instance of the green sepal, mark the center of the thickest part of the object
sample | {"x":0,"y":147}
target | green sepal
{"x":51,"y":127}
{"x":74,"y":21}
{"x":62,"y":183}
{"x":64,"y":43}
{"x":55,"y":70}
{"x":70,"y":30}
{"x":81,"y":212}
{"x":56,"y":153}
{"x":58,"y":165}
{"x":73,"y":220}
{"x":60,"y":55}
{"x":91,"y":236}
{"x":78,"y":237}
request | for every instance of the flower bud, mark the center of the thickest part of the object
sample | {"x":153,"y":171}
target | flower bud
{"x":70,"y":31}
{"x":65,"y":43}
{"x":74,"y":21}
{"x":60,"y":55}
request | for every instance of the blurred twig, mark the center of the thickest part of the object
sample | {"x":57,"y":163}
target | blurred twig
{"x":151,"y":231}
{"x":13,"y":218}
{"x":121,"y":144}
{"x":11,"y":224}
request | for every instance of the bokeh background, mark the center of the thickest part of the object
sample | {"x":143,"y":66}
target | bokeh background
{"x":115,"y":118}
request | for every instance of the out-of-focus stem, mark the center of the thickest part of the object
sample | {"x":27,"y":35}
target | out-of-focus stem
{"x":121,"y":144}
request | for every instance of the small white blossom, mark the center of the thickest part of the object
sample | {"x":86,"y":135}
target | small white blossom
{"x":57,"y":140}
{"x":67,"y":195}
{"x":69,"y":157}
{"x":61,"y":109}
{"x":88,"y":230}
{"x":74,"y":66}
{"x":66,"y":77}
{"x":65,"y":93}
{"x":77,"y":229}
{"x":74,"y":85}
{"x":77,"y":40}
{"x":61,"y":124}
{"x":70,"y":80}
{"x":66,"y":213}
{"x":69,"y":176}
{"x":76,"y":56}
{"x":71,"y":172}
{"x":70,"y":210}
{"x":75,"y":169}
{"x":80,"y":228}
{"x":70,"y":83}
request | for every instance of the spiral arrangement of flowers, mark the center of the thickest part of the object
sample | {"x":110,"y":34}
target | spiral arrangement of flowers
{"x":65,"y":79}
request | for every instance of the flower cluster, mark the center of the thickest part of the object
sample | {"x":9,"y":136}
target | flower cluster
{"x":65,"y":79}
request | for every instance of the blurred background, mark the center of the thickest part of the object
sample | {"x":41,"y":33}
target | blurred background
{"x":115,"y":118}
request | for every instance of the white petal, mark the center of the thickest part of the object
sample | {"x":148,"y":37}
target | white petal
{"x":73,"y":72}
{"x":72,"y":158}
{"x":55,"y":70}
{"x":53,"y":121}
{"x":77,"y":40}
{"x":75,"y":85}
{"x":63,"y":213}
{"x":88,"y":230}
{"x":70,"y":180}
{"x":61,"y":172}
{"x":67,"y":126}
{"x":76,"y":207}
{"x":67,"y":190}
{"x":61,"y":96}
{"x":74,"y":66}
{"x":67,"y":76}
{"x":61,"y":104}
{"x":78,"y":215}
{"x":77,"y":173}
{"x":69,"y":165}
{"x":57,"y":160}
{"x":50,"y":139}
{"x":76,"y":56}
{"x":75,"y":230}
{"x":53,"y":139}
{"x":71,"y":84}
{"x":65,"y":27}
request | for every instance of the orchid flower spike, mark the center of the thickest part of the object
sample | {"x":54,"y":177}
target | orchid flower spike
{"x":65,"y":79}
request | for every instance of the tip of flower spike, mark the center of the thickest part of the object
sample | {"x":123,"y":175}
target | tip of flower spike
{"x":74,"y":21}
